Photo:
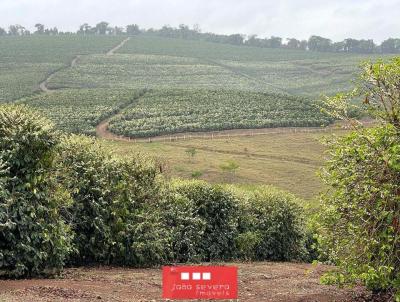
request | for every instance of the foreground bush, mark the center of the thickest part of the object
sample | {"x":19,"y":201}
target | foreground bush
{"x":271,"y":226}
{"x":112,"y":198}
{"x":360,"y":227}
{"x":33,"y":237}
{"x":218,"y":209}
{"x":67,"y":198}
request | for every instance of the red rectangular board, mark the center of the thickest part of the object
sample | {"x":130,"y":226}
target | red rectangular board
{"x":200,"y":282}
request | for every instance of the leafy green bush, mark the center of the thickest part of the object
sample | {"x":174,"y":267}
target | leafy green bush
{"x":271,"y":226}
{"x":84,"y":171}
{"x":360,"y":228}
{"x":33,"y":237}
{"x":186,"y":227}
{"x":218,"y":208}
{"x":111,"y":213}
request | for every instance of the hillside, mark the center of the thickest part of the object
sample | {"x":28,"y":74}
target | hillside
{"x":152,"y":86}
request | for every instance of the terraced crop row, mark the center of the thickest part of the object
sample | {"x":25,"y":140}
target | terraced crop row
{"x":80,"y":110}
{"x":172,"y":111}
{"x":26,"y":61}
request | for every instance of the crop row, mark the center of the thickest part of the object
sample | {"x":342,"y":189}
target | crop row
{"x":173,"y":111}
{"x":26,"y":61}
{"x":79,"y":111}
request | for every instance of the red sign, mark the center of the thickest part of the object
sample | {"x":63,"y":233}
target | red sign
{"x":200,"y":282}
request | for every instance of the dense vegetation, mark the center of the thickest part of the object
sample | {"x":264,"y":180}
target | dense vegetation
{"x":33,"y":237}
{"x":156,"y":62}
{"x":80,"y":111}
{"x":172,"y":111}
{"x":98,"y":85}
{"x":26,"y":61}
{"x":67,"y":199}
{"x":359,"y":228}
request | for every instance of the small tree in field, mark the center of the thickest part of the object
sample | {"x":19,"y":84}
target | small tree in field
{"x":359,"y":229}
{"x":230,"y":167}
{"x":191,"y":152}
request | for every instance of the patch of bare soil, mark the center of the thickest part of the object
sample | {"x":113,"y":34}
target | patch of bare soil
{"x":261,"y":281}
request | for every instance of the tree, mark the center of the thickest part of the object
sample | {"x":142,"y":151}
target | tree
{"x":303,"y":44}
{"x":102,"y":28}
{"x":85,"y":29}
{"x":39,"y":28}
{"x":293,"y":43}
{"x":275,"y":42}
{"x":391,"y":46}
{"x":17,"y":30}
{"x":132,"y":29}
{"x":317,"y":43}
{"x":191,"y":152}
{"x":230,"y":167}
{"x":118,"y":30}
{"x":2,"y":31}
{"x":360,"y":227}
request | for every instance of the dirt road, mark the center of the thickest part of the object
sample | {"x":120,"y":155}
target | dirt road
{"x":113,"y":50}
{"x":262,"y":281}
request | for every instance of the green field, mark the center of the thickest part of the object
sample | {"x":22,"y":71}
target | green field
{"x":80,"y":110}
{"x":27,"y":61}
{"x":173,"y":111}
{"x":289,"y":161}
{"x":192,"y":86}
{"x":154,"y":62}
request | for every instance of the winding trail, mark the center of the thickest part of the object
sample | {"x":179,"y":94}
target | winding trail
{"x":43,"y":85}
{"x":113,"y":50}
{"x":103,"y":132}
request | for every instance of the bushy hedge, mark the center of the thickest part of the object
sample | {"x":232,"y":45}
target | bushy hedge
{"x":33,"y":237}
{"x":66,"y":198}
{"x":218,"y":209}
{"x":271,"y":226}
{"x":110,"y":213}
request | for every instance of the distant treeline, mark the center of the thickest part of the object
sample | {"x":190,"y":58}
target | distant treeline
{"x":314,"y":43}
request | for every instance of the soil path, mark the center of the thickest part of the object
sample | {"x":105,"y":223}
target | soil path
{"x":103,"y":132}
{"x":112,"y":51}
{"x":260,"y":281}
{"x":43,"y":85}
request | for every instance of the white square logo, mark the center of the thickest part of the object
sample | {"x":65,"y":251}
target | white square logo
{"x":196,"y":276}
{"x":206,"y":276}
{"x":185,"y":276}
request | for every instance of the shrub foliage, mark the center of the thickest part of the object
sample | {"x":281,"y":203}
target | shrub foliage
{"x":360,"y":228}
{"x":64,"y":198}
{"x":33,"y":237}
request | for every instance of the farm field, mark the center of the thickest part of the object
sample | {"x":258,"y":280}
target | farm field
{"x":191,"y":86}
{"x":80,"y":110}
{"x":289,"y":161}
{"x":173,"y":111}
{"x":26,"y":61}
{"x":194,"y":86}
{"x":154,"y":62}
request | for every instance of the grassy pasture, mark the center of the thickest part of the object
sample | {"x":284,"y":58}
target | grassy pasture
{"x":289,"y":161}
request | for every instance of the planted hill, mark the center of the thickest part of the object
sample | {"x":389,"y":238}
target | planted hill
{"x":79,"y":111}
{"x":156,"y":62}
{"x":27,"y":60}
{"x":150,"y":71}
{"x":171,"y":111}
